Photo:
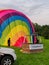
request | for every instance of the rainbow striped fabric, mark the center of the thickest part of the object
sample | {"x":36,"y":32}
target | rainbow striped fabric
{"x":14,"y":25}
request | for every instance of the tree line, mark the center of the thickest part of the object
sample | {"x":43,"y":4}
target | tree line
{"x":42,"y":30}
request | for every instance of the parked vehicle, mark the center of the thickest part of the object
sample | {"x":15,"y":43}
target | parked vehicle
{"x":7,"y":56}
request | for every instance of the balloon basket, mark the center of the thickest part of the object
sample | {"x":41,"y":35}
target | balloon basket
{"x":32,"y":48}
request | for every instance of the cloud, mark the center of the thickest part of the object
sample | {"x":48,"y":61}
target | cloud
{"x":36,"y":10}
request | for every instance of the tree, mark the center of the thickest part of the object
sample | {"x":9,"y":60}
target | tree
{"x":45,"y":32}
{"x":42,"y":30}
{"x":38,"y":28}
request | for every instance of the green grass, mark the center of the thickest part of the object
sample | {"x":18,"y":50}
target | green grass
{"x":41,"y":58}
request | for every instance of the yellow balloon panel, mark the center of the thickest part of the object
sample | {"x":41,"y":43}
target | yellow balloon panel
{"x":15,"y":33}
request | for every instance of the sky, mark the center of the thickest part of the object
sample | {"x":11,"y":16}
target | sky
{"x":36,"y":10}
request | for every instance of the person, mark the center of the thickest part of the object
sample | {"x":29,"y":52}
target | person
{"x":37,"y":41}
{"x":9,"y":42}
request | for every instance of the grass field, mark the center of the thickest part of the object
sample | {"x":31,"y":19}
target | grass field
{"x":41,"y":58}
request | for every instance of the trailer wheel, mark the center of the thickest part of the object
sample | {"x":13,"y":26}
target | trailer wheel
{"x":7,"y":60}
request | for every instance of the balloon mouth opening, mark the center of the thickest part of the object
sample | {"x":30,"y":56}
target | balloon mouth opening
{"x":20,"y":42}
